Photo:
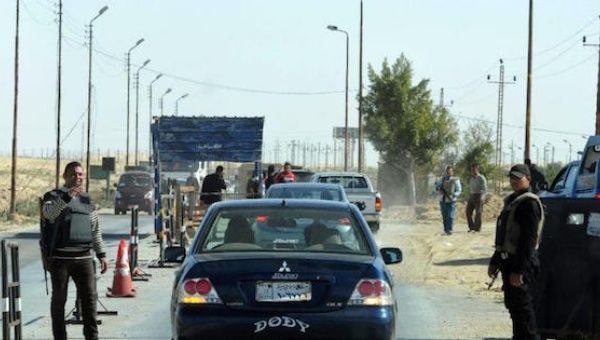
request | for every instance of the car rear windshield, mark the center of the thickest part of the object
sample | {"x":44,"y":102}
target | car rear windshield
{"x":348,"y":182}
{"x":135,"y":181}
{"x":305,"y":193}
{"x":285,"y":229}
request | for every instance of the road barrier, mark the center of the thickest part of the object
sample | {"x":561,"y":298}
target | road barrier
{"x":11,"y":292}
{"x":137,"y":274}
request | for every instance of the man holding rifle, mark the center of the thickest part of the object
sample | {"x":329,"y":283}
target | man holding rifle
{"x":517,"y":236}
{"x":70,"y":231}
{"x":449,"y":189}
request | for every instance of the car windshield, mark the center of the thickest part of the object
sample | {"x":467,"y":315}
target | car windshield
{"x":305,"y":193}
{"x":135,"y":181}
{"x":348,"y":182}
{"x":284,"y":230}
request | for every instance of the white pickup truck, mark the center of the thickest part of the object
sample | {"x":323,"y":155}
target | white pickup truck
{"x":359,"y":190}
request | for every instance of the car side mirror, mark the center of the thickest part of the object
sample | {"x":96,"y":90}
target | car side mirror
{"x":558,"y":187}
{"x":391,"y":255}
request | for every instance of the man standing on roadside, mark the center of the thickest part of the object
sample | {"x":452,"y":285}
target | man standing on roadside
{"x":71,"y":224}
{"x":270,"y":179}
{"x":517,"y":237}
{"x":477,"y":192}
{"x":449,"y":189}
{"x":212,"y":186}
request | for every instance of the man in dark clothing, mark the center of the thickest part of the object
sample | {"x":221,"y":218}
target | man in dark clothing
{"x":72,"y":223}
{"x":516,"y":256}
{"x":270,"y":180}
{"x":538,"y":180}
{"x":212,"y":186}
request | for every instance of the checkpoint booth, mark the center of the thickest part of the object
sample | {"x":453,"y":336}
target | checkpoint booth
{"x":567,"y":291}
{"x":197,"y":139}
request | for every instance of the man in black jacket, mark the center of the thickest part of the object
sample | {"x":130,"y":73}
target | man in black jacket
{"x":72,"y":222}
{"x":538,"y":179}
{"x":212,"y":186}
{"x":516,"y":256}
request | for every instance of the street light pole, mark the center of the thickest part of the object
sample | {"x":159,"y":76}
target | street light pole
{"x":177,"y":103}
{"x":570,"y":148}
{"x":13,"y":171}
{"x":128,"y":86}
{"x":537,"y":153}
{"x":346,"y":134}
{"x":161,"y":100}
{"x":137,"y":104}
{"x":598,"y":86}
{"x":361,"y":132}
{"x":89,"y":104}
{"x":150,"y":116}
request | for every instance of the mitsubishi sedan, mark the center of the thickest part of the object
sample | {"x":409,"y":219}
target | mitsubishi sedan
{"x":284,"y":269}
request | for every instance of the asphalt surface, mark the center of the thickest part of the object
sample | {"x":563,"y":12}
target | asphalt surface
{"x":424,"y":312}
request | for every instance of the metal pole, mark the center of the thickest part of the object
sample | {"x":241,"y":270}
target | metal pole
{"x":529,"y":79}
{"x":137,"y":106}
{"x":361,"y":133}
{"x":13,"y":172}
{"x":89,"y":115}
{"x":128,"y":85}
{"x":58,"y":104}
{"x":346,"y":136}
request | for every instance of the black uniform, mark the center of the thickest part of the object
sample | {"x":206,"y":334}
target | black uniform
{"x":211,"y":188}
{"x":519,"y":300}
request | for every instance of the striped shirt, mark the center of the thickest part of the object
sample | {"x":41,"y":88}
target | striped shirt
{"x":53,"y":208}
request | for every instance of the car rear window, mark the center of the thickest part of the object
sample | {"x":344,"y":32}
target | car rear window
{"x":281,"y":230}
{"x":305,"y":193}
{"x":348,"y":182}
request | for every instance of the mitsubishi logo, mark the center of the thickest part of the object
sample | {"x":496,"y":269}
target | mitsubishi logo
{"x":284,"y":268}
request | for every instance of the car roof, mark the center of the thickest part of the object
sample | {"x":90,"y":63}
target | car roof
{"x":307,"y":185}
{"x":136,"y":172}
{"x":340,"y":174}
{"x":276,"y":202}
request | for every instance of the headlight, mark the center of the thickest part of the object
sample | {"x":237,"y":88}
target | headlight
{"x":117,"y":194}
{"x":149,"y":194}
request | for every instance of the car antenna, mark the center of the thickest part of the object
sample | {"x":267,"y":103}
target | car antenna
{"x":283,"y":203}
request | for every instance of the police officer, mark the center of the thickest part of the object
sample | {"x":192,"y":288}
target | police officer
{"x":515,"y":257}
{"x":72,"y":224}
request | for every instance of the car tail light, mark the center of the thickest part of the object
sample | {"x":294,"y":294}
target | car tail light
{"x":198,"y":291}
{"x":262,"y":218}
{"x":371,"y":292}
{"x":598,"y":195}
{"x":378,"y":203}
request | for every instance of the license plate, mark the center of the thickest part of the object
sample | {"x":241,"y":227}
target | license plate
{"x":269,"y":291}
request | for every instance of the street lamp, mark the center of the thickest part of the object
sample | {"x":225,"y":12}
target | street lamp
{"x":537,"y":153}
{"x":570,"y":148}
{"x":137,"y":105}
{"x":150,"y":115}
{"x":177,"y":103}
{"x":551,"y":145}
{"x":161,"y":100}
{"x":346,"y":135}
{"x":128,"y":82}
{"x":89,"y":106}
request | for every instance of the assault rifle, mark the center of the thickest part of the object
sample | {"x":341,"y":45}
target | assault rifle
{"x":43,"y":246}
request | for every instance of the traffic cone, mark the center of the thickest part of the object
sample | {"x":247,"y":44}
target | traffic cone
{"x":122,"y":279}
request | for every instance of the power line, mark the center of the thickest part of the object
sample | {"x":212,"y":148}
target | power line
{"x":562,"y":132}
{"x":579,"y":63}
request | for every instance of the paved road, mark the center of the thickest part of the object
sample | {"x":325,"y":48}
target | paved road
{"x":424,"y":313}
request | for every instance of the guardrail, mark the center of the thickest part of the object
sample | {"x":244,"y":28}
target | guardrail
{"x":11,"y":292}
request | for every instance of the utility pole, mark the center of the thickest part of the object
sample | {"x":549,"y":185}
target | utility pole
{"x":13,"y":171}
{"x":150,"y":116}
{"x":598,"y":85}
{"x":58,"y":89}
{"x":529,"y":70}
{"x":128,"y":59}
{"x":137,"y":105}
{"x":361,"y":133}
{"x":499,"y":123}
{"x":442,"y":97}
{"x":89,"y":103}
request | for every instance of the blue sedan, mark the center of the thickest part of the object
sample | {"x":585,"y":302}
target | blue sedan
{"x":284,"y":269}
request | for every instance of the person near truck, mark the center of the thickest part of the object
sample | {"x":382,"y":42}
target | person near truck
{"x":212,"y":186}
{"x":286,"y":176}
{"x":449,"y":189}
{"x":477,"y":192}
{"x":538,"y":180}
{"x":270,"y":178}
{"x":517,"y":236}
{"x":71,"y":235}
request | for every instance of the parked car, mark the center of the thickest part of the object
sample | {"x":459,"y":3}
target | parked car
{"x":302,"y":175}
{"x":236,"y":283}
{"x":134,"y":188}
{"x":324,"y":191}
{"x":359,"y":190}
{"x":563,"y":184}
{"x":587,"y":183}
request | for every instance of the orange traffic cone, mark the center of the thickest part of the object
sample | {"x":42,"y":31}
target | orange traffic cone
{"x":122,"y":279}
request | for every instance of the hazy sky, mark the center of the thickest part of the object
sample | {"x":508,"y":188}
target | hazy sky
{"x":243,"y":58}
